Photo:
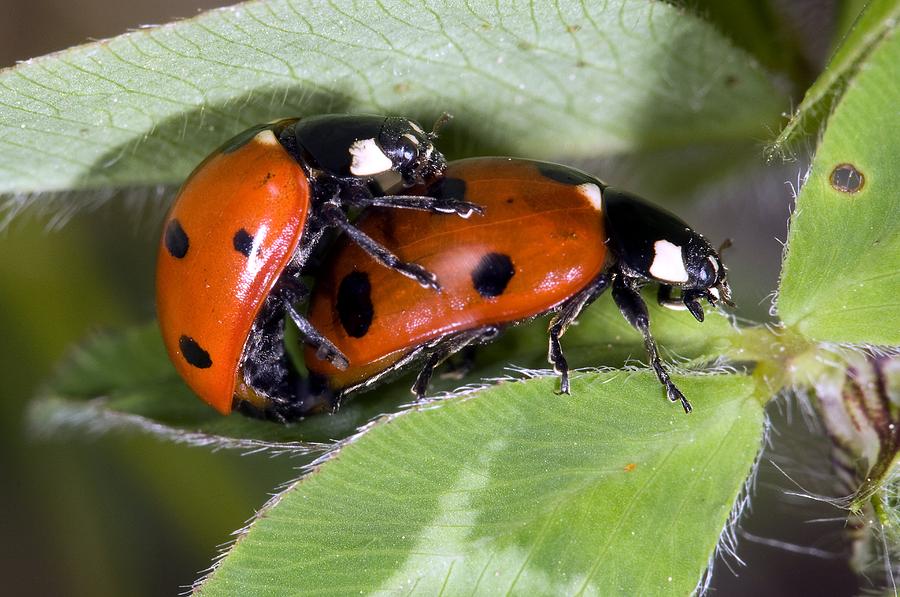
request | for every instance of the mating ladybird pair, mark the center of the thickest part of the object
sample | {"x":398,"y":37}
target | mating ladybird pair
{"x":546,"y":239}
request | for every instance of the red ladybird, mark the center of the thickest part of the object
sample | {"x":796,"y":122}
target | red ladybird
{"x":245,"y":223}
{"x":551,"y":240}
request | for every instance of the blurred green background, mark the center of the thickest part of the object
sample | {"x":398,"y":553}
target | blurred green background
{"x":117,"y":514}
{"x":125,"y":514}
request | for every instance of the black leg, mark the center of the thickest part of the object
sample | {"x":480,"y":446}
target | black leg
{"x":635,"y":312}
{"x":336,"y":217}
{"x":325,"y":350}
{"x":420,"y":387}
{"x":692,"y":302}
{"x":560,"y":322}
{"x":688,"y":300}
{"x":443,"y":349}
{"x":292,"y":290}
{"x":463,"y":209}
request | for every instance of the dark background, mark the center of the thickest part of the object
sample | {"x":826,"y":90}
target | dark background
{"x":127,"y":514}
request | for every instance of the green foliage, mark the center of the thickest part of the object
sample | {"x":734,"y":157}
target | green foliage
{"x":877,"y":20}
{"x":553,"y":80}
{"x":841,"y":280}
{"x":126,"y":380}
{"x":514,"y":490}
{"x":509,"y":486}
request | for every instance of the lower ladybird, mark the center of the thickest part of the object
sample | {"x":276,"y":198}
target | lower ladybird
{"x":552,"y":239}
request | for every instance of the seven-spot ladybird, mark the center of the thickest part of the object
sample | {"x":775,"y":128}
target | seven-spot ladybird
{"x":246,"y":221}
{"x":551,"y":239}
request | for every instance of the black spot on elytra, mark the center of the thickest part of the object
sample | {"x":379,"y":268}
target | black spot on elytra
{"x":243,"y":242}
{"x":176,"y":240}
{"x":448,"y":188}
{"x":564,"y":174}
{"x":492,"y":274}
{"x":193,"y":353}
{"x":354,"y":304}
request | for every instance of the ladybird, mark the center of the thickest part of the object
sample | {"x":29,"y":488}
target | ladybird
{"x":245,"y":223}
{"x":552,"y":239}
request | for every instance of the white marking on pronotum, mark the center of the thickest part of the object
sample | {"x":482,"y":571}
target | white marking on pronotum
{"x":668,"y":264}
{"x":715,"y":292}
{"x":592,"y":193}
{"x":412,"y":139}
{"x":368,"y":159}
{"x":714,"y":264}
{"x":266,"y":137}
{"x":416,"y":127}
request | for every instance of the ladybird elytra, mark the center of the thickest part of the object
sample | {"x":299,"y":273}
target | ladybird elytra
{"x":493,"y":270}
{"x":235,"y":250}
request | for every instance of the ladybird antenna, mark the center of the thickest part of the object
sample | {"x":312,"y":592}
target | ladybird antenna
{"x":439,"y":124}
{"x":726,"y":244}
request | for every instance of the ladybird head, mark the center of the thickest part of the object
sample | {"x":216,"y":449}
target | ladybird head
{"x":707,"y":277}
{"x":394,"y":152}
{"x":650,"y":244}
{"x":411,"y":150}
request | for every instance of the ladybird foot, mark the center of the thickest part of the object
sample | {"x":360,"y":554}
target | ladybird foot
{"x":463,"y":209}
{"x":331,"y":354}
{"x":418,"y":273}
{"x":563,"y":384}
{"x":675,"y":395}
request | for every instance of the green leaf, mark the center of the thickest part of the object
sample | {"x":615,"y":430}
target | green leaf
{"x":608,"y":491}
{"x":847,"y":13}
{"x":563,"y":79}
{"x":603,"y":338}
{"x":877,"y":20}
{"x":840,"y":280}
{"x":125,"y":381}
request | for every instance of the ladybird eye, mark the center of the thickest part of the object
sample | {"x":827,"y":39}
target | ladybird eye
{"x":707,"y":275}
{"x":408,"y":153}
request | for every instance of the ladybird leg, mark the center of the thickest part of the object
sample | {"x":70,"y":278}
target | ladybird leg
{"x":635,"y":312}
{"x":290,"y":291}
{"x":687,"y":301}
{"x":443,"y":349}
{"x":561,"y":321}
{"x":692,"y":302}
{"x":336,"y":217}
{"x":420,"y":387}
{"x":463,"y":209}
{"x":325,"y":350}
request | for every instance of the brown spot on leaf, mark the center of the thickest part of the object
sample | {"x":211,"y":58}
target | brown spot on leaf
{"x":846,"y":178}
